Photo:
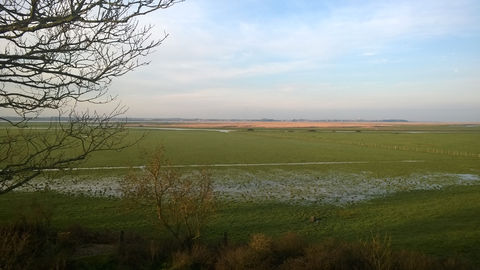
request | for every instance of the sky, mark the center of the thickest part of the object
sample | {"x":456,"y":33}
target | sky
{"x":416,"y":60}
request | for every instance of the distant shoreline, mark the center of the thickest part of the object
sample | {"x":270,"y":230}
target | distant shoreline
{"x":291,"y":124}
{"x":261,"y":123}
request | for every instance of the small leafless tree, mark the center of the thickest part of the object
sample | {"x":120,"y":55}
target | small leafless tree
{"x":183,"y":203}
{"x":55,"y":54}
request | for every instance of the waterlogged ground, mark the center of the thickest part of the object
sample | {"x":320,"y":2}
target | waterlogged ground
{"x":331,"y":188}
{"x":299,"y":166}
{"x":296,"y":187}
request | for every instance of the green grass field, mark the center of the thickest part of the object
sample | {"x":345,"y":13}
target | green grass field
{"x":270,"y":146}
{"x":457,"y":146}
{"x":431,"y":205}
{"x":441,"y":222}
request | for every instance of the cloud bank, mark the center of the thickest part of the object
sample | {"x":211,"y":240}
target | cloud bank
{"x":417,"y":60}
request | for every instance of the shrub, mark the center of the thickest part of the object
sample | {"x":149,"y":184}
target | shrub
{"x":239,"y":258}
{"x":183,"y":203}
{"x":260,"y":243}
{"x":30,"y":243}
{"x":288,"y":245}
{"x":198,"y":257}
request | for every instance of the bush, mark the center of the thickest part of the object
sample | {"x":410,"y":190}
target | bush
{"x":260,"y":243}
{"x":198,"y":257}
{"x":183,"y":203}
{"x":242,"y":257}
{"x":30,"y":243}
{"x":288,"y":245}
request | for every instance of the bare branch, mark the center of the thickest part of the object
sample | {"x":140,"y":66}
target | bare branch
{"x":55,"y":54}
{"x":59,"y":50}
{"x":183,"y":203}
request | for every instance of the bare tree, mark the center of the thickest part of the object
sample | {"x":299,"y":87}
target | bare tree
{"x":183,"y":203}
{"x":55,"y":54}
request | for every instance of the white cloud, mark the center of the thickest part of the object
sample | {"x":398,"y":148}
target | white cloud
{"x":201,"y":48}
{"x":196,"y":70}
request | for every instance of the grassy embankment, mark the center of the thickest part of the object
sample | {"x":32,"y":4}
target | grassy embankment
{"x":441,"y":222}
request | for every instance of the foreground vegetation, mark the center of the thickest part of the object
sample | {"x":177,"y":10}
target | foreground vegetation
{"x":32,"y":244}
{"x":442,"y":223}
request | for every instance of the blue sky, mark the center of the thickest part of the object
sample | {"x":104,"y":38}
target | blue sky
{"x":415,"y":60}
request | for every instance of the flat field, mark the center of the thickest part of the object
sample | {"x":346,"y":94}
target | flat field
{"x":418,"y":184}
{"x":455,"y":145}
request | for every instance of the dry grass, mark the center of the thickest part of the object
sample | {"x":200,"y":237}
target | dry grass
{"x":30,"y":243}
{"x":34,"y":245}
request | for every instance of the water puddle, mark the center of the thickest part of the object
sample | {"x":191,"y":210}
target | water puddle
{"x":338,"y":188}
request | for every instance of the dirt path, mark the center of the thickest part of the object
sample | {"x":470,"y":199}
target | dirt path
{"x":238,"y":165}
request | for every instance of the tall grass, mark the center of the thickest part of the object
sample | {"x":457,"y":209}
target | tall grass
{"x":31,"y":243}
